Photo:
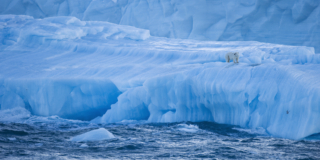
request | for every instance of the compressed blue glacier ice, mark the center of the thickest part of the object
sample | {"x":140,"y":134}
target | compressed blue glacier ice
{"x":291,"y":22}
{"x":94,"y":135}
{"x":104,"y":72}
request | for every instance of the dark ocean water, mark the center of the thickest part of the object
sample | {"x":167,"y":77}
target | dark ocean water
{"x":48,"y":138}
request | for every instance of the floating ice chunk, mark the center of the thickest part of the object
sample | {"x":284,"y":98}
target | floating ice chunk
{"x":94,"y":135}
{"x":12,"y":138}
{"x":188,"y":128}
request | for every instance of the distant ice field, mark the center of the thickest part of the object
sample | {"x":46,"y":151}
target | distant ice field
{"x":100,"y":71}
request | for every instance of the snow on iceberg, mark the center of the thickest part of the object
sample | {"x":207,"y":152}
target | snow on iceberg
{"x":33,"y":31}
{"x":274,"y":87}
{"x":66,"y":97}
{"x":94,"y":135}
{"x":284,"y":22}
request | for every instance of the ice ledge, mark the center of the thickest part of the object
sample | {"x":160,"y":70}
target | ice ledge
{"x":282,"y":99}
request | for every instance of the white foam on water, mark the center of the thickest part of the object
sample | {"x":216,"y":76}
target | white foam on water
{"x":188,"y":128}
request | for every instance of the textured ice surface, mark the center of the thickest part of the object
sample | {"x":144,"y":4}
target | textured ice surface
{"x":94,"y":135}
{"x":292,"y":22}
{"x":81,"y":70}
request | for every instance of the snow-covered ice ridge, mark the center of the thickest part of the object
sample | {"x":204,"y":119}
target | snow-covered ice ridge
{"x":81,"y":70}
{"x":291,"y":22}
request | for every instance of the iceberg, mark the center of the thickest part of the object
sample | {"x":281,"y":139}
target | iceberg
{"x":109,"y":73}
{"x":274,"y":21}
{"x":94,"y":135}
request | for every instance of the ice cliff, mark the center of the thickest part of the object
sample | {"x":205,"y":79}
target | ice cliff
{"x":291,"y":22}
{"x":84,"y":69}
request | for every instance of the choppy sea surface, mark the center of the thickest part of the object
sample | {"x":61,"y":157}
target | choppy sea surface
{"x":49,"y":138}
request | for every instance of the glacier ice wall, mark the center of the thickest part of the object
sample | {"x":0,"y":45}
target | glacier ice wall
{"x":279,"y":98}
{"x":82,"y":99}
{"x":291,"y":22}
{"x":83,"y":69}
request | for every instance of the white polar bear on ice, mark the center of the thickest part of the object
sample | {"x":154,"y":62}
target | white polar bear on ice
{"x":232,"y":55}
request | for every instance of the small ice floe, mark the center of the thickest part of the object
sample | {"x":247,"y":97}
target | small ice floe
{"x":12,"y":138}
{"x":188,"y":128}
{"x":94,"y":135}
{"x":84,"y":145}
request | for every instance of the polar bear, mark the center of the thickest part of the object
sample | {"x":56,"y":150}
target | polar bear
{"x":232,"y":55}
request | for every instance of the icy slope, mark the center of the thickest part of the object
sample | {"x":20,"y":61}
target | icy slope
{"x":292,"y":22}
{"x":80,"y":70}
